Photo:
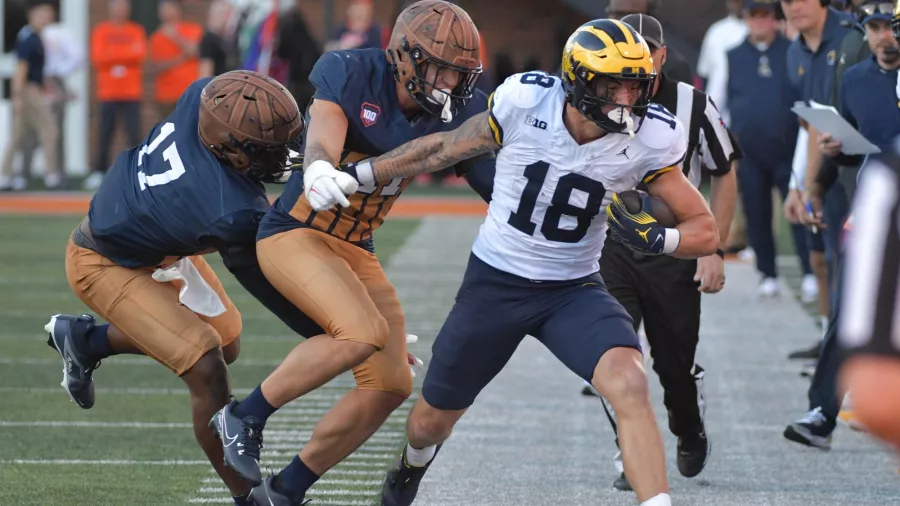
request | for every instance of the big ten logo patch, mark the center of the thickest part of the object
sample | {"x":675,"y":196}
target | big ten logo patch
{"x":536,"y":123}
{"x":369,"y":114}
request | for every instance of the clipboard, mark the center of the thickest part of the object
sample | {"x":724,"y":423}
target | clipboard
{"x":825,"y":118}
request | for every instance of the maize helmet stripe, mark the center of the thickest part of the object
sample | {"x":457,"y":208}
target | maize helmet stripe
{"x":630,"y":35}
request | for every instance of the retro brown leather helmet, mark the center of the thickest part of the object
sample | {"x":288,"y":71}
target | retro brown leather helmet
{"x":435,"y":32}
{"x":250,"y":122}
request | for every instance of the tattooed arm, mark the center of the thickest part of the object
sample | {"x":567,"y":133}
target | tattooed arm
{"x":437,"y":151}
{"x":326,"y":133}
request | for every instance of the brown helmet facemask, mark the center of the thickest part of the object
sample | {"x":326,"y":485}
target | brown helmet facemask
{"x":250,"y":122}
{"x":435,"y":32}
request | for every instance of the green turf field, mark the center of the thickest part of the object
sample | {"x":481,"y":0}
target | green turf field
{"x":136,"y":447}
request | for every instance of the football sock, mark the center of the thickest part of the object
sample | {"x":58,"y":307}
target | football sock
{"x":658,"y":500}
{"x":255,"y":405}
{"x":98,"y":342}
{"x":295,"y":479}
{"x":419,"y":458}
{"x":242,"y":500}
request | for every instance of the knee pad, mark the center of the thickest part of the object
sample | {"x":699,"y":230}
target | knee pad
{"x":383,"y":374}
{"x":362,"y":328}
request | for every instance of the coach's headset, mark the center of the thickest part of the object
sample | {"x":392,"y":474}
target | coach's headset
{"x":895,"y":20}
{"x":607,"y":48}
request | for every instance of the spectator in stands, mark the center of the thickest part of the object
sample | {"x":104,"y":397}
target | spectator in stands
{"x":173,"y":47}
{"x":118,"y":49}
{"x":300,"y":50}
{"x":360,"y":30}
{"x":676,"y":67}
{"x":31,"y":110}
{"x":213,"y":49}
{"x":64,"y":55}
{"x":723,"y":35}
{"x":758,"y":92}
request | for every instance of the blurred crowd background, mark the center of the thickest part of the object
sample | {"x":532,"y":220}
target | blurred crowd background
{"x":115,"y":67}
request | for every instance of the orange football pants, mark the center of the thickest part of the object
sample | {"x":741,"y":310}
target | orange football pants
{"x":344,"y":289}
{"x":149,"y":312}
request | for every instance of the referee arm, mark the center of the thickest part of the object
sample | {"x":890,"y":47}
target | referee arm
{"x":868,"y":325}
{"x":719,"y":151}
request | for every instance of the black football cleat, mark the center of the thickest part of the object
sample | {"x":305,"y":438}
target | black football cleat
{"x":68,"y":336}
{"x":693,"y":454}
{"x":266,"y":494}
{"x":402,"y":482}
{"x":622,"y":484}
{"x":811,"y":353}
{"x":813,"y":430}
{"x":241,"y":442}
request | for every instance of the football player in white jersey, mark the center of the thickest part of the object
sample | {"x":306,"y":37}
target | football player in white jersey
{"x":566,"y":147}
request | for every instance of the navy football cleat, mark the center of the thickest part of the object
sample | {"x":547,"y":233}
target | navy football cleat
{"x":402,"y":482}
{"x":68,"y":336}
{"x":241,"y":442}
{"x":266,"y":494}
{"x":814,"y":430}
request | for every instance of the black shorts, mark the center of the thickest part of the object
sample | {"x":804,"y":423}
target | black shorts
{"x":577,"y":320}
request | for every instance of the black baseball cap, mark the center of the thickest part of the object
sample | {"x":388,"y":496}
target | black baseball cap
{"x":648,"y":27}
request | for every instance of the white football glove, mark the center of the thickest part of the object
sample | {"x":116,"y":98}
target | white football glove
{"x":414,"y":362}
{"x":326,"y":186}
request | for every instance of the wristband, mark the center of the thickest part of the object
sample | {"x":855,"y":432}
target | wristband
{"x":720,"y":253}
{"x":365,"y":174}
{"x":672,"y":240}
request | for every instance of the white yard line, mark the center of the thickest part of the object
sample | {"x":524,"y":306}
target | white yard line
{"x":129,"y":425}
{"x":104,"y":462}
{"x":128,"y":361}
{"x":365,"y":468}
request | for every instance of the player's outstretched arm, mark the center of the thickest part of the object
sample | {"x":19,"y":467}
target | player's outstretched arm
{"x":699,"y":236}
{"x":325,"y":186}
{"x":436,"y":151}
{"x":326,"y":133}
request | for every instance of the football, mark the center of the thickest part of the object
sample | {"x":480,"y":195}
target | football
{"x":660,"y":211}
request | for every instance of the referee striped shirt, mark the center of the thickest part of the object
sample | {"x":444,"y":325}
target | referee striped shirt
{"x":870,"y":299}
{"x":710,"y":143}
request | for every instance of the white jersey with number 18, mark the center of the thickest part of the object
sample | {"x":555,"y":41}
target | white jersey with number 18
{"x":545,"y":220}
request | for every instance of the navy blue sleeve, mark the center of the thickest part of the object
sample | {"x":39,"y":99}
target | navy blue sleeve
{"x":25,"y":47}
{"x":329,"y":76}
{"x":480,"y":175}
{"x":237,"y":228}
{"x":845,"y":109}
{"x":843,"y":105}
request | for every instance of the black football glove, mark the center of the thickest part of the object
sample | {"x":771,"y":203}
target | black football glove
{"x":635,"y":228}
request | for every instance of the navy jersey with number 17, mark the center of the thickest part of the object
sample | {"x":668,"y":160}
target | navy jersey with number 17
{"x":170,"y":196}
